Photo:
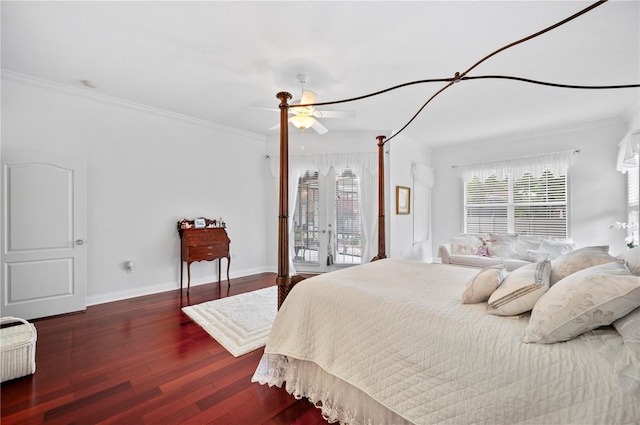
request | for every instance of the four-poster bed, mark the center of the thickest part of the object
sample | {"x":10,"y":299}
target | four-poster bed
{"x":389,"y":341}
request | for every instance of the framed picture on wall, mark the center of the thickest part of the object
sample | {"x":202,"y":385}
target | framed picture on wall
{"x":403,"y":200}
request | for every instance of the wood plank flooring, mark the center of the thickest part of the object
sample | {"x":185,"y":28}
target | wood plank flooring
{"x":143,"y":361}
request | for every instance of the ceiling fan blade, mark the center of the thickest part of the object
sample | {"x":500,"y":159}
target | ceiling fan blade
{"x":319,"y":128}
{"x":308,"y":97}
{"x":334,"y":114}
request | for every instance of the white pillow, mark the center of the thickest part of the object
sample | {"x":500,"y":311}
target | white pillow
{"x":467,"y":244}
{"x":502,"y":245}
{"x":555,"y":248}
{"x":525,"y":243}
{"x":632,"y":258}
{"x":520,"y":290}
{"x":579,"y":259}
{"x":483,"y":284}
{"x":585,"y":300}
{"x":536,"y":255}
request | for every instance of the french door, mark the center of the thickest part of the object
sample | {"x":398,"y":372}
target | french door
{"x":327,"y":221}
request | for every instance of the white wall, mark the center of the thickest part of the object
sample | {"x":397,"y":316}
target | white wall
{"x":146,"y":170}
{"x":403,"y":152}
{"x":597,"y":191}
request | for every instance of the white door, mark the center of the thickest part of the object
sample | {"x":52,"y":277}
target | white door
{"x":44,"y":230}
{"x":326,"y":222}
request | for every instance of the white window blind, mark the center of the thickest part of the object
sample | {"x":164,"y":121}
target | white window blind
{"x":526,"y":206}
{"x":503,"y":197}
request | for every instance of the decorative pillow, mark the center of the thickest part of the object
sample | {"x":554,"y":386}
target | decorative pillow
{"x":502,"y":245}
{"x":579,"y":259}
{"x":483,"y":284}
{"x":629,"y":327}
{"x":555,"y":248}
{"x":467,"y":244}
{"x":520,"y":290}
{"x":632,"y":258}
{"x":585,"y":300}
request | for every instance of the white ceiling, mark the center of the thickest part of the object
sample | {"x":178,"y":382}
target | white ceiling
{"x":217,"y":60}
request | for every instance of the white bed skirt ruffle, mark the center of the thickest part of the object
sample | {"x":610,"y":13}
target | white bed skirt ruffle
{"x":338,"y":400}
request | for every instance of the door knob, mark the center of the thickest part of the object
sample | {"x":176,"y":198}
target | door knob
{"x":79,"y":242}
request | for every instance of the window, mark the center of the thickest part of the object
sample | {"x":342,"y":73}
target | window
{"x":628,"y":163}
{"x":347,"y":225}
{"x":633,"y":210}
{"x":528,"y":205}
{"x":305,"y":219}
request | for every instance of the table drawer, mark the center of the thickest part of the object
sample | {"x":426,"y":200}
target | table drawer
{"x":205,"y":239}
{"x":208,"y":252}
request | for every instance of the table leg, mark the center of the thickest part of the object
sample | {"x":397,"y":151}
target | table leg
{"x":188,"y":276}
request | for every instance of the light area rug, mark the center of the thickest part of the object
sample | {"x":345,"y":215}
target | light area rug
{"x":240,"y":323}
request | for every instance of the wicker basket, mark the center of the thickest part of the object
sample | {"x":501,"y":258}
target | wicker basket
{"x":17,"y":348}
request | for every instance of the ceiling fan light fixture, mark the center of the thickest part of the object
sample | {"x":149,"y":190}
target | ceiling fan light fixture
{"x":302,"y":121}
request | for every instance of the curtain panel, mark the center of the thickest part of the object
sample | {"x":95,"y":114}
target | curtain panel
{"x":628,"y":150}
{"x":557,"y":163}
{"x":365,"y":166}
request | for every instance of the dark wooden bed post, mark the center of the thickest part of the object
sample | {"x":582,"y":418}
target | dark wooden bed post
{"x":381,"y":236}
{"x":283,"y":280}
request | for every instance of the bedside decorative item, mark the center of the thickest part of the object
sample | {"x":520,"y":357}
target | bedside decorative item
{"x":631,"y":229}
{"x":199,"y":223}
{"x":403,"y":200}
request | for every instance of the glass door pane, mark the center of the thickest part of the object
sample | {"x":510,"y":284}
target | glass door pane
{"x":347,"y":241}
{"x":326,"y":222}
{"x":306,"y":219}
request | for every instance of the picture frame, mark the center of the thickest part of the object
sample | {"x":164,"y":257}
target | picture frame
{"x":403,"y":200}
{"x":199,"y":223}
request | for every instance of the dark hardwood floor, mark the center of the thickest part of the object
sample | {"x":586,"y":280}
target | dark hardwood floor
{"x":143,"y":361}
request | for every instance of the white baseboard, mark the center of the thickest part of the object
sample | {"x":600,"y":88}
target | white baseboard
{"x":169,"y":286}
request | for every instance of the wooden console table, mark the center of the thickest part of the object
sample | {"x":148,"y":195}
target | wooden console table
{"x":203,"y":244}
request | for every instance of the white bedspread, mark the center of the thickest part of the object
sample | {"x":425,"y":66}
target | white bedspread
{"x":396,"y":330}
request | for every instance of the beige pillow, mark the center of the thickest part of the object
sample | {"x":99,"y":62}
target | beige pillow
{"x":520,"y":290}
{"x":582,"y":301}
{"x":577,"y":260}
{"x":483,"y":284}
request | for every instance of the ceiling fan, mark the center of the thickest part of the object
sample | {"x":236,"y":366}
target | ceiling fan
{"x":304,"y":117}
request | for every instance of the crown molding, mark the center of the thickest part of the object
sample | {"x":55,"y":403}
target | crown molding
{"x":512,"y":137}
{"x":98,"y":97}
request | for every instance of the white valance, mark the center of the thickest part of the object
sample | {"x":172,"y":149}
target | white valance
{"x":557,"y":163}
{"x":299,"y":163}
{"x":423,"y":174}
{"x":628,"y":150}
